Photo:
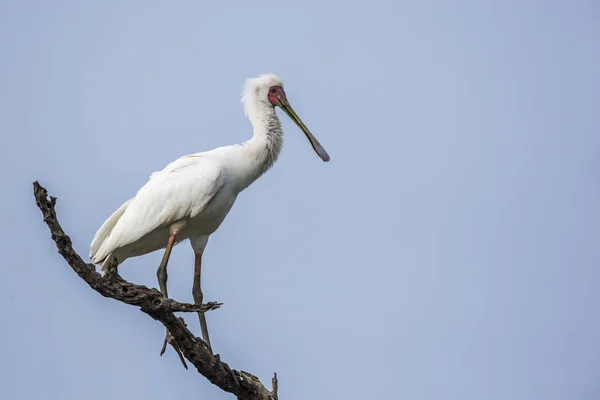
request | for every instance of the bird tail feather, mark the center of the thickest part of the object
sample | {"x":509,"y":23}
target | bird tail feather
{"x":103,"y":234}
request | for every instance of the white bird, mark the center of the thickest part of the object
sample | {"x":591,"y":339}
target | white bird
{"x":190,"y":197}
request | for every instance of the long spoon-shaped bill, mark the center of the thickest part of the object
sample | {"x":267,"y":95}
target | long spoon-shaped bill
{"x":285,"y":106}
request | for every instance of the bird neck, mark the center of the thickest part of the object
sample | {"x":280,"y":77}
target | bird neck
{"x":263,"y":149}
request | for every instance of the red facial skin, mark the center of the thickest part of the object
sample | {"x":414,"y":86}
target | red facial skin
{"x":276,"y":93}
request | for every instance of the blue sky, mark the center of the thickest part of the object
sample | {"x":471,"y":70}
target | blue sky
{"x":448,"y":250}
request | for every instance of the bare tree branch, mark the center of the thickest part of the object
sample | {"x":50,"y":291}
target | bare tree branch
{"x":176,"y":306}
{"x":243,"y":385}
{"x":275,"y":385}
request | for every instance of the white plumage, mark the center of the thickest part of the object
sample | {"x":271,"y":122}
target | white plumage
{"x":196,"y":192}
{"x":190,"y":197}
{"x":179,"y":194}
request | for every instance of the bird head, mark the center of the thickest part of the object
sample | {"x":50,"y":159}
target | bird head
{"x":268,"y":90}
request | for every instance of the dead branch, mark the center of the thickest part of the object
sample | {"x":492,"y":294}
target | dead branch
{"x":243,"y":385}
{"x":275,"y":385}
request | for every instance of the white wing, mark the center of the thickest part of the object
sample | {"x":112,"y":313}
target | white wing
{"x":105,"y":229}
{"x":181,"y":163}
{"x":181,"y":190}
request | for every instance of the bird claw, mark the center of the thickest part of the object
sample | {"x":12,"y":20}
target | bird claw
{"x":171,"y":340}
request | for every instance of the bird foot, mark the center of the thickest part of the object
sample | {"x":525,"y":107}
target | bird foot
{"x":171,"y":340}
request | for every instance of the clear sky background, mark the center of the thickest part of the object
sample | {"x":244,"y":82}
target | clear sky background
{"x":449,"y":250}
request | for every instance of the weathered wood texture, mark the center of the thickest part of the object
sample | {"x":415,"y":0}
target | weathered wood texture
{"x":243,"y":385}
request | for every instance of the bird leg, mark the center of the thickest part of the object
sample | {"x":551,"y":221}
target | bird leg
{"x":169,"y":339}
{"x":161,"y":274}
{"x":198,"y":296}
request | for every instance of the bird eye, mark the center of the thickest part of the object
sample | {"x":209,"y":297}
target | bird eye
{"x":273,"y":90}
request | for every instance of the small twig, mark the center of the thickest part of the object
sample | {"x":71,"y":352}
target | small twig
{"x":275,"y":386}
{"x":176,"y":306}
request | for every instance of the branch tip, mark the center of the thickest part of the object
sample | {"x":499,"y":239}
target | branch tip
{"x":275,"y":384}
